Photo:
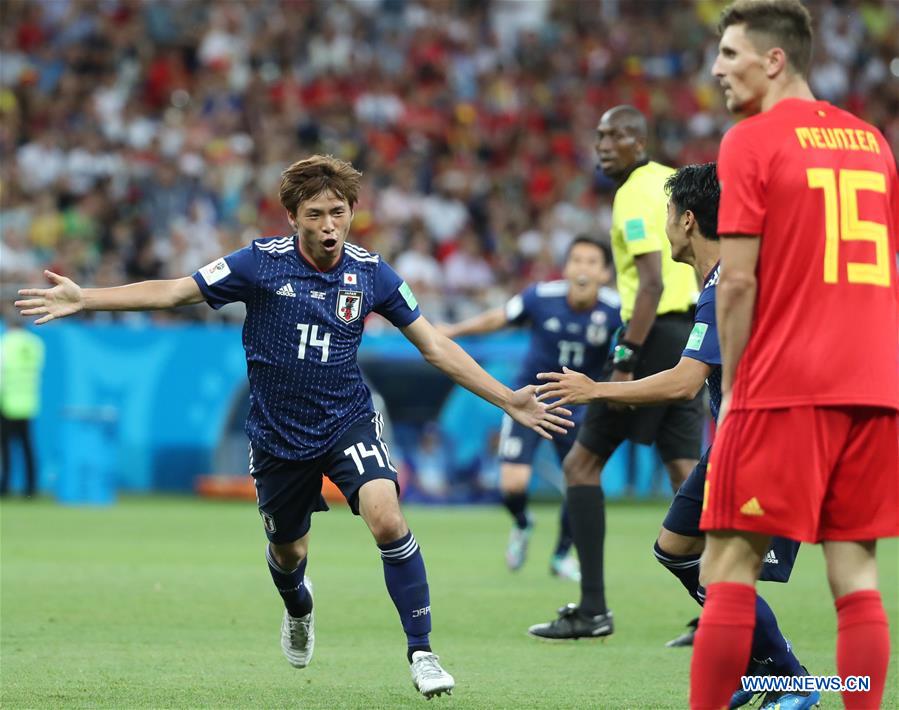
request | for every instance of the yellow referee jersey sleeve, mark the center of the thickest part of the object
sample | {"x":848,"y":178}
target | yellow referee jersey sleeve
{"x":639,"y":212}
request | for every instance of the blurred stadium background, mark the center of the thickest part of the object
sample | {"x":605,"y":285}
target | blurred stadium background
{"x":141,"y":139}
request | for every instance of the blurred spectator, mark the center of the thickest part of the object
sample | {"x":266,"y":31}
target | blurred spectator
{"x":118,"y":116}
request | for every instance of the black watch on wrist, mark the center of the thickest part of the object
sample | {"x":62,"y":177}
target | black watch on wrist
{"x":625,"y":356}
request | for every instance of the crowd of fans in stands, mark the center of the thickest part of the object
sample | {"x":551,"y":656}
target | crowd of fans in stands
{"x":141,"y":140}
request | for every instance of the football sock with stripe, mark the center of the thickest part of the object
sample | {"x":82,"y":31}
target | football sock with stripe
{"x":863,"y":645}
{"x":566,"y":540}
{"x":721,"y":648}
{"x":769,"y":647}
{"x":407,"y":583}
{"x":297,"y":598}
{"x":684,"y":567}
{"x":587,"y":512}
{"x":517,"y":505}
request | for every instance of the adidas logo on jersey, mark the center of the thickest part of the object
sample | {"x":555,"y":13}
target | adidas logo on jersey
{"x":287,"y":290}
{"x":752,"y":507}
{"x":771,"y":558}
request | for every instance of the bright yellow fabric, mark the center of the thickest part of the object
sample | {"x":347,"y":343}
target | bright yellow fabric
{"x":21,"y":362}
{"x":639,"y":212}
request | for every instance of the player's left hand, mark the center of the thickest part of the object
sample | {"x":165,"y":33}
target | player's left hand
{"x":566,"y":387}
{"x":524,"y":408}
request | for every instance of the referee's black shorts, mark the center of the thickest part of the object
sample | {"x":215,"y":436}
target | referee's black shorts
{"x":675,"y":429}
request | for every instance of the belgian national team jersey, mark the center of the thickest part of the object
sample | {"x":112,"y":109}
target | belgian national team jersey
{"x":561,"y":335}
{"x":703,"y":343}
{"x":301,"y":335}
{"x":819,"y":185}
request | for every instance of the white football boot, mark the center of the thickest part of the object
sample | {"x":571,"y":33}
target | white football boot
{"x":298,"y":635}
{"x":429,"y":677}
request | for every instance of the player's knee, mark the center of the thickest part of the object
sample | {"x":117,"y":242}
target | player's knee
{"x":581,"y":470}
{"x":388,"y":526}
{"x":289,"y":555}
{"x":670,"y":543}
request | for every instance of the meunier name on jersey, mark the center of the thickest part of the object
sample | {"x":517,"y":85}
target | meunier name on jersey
{"x":837,"y":139}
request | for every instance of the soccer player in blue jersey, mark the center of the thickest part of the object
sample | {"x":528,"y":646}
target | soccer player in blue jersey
{"x":691,"y":228}
{"x":571,"y":323}
{"x":307,"y":296}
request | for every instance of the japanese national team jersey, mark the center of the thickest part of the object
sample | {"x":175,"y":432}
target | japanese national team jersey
{"x":703,"y":343}
{"x":560,"y":335}
{"x":639,"y":211}
{"x":819,"y":185}
{"x":302,"y":330}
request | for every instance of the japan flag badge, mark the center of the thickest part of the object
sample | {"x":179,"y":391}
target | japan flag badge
{"x":349,"y":279}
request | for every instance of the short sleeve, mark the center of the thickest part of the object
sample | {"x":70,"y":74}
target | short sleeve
{"x":640,"y":228}
{"x":703,"y":343}
{"x":741,"y":209}
{"x":229,"y":278}
{"x":393,"y":298}
{"x":519,"y":309}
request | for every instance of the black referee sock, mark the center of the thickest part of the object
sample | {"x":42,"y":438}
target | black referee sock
{"x":517,"y":505}
{"x":685,"y":568}
{"x":587,"y":513}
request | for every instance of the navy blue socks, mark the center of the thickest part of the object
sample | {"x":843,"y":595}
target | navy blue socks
{"x":769,"y":647}
{"x":407,"y":583}
{"x":517,"y":505}
{"x":684,"y":567}
{"x":566,"y":540}
{"x":290,"y":586}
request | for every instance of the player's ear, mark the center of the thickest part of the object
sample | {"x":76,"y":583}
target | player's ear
{"x":689,"y":220}
{"x":292,"y":219}
{"x":775,"y":62}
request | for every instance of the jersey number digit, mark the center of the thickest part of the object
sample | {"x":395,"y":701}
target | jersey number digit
{"x":357,"y":452}
{"x":305,"y":339}
{"x":571,"y":352}
{"x":841,"y":221}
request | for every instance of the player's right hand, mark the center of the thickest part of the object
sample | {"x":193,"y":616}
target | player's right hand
{"x":65,"y":298}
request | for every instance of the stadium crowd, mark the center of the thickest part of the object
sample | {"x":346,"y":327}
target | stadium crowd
{"x":141,"y":140}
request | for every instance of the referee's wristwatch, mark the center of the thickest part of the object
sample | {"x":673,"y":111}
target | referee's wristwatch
{"x":625,"y":356}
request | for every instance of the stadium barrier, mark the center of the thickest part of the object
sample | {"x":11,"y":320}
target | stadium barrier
{"x":150,"y":407}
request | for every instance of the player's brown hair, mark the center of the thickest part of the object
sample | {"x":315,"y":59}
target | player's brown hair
{"x":774,"y":23}
{"x":312,"y":176}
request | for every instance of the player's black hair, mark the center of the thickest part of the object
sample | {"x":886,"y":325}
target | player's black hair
{"x":586,"y":239}
{"x":308,"y":178}
{"x":696,"y":188}
{"x":774,"y":23}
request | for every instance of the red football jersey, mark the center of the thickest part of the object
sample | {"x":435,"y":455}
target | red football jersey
{"x":819,"y":186}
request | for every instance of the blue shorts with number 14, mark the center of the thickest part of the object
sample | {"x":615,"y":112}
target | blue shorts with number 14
{"x":289,"y":492}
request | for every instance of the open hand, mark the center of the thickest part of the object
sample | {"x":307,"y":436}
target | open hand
{"x":545,"y":420}
{"x":63,"y":299}
{"x":566,"y":387}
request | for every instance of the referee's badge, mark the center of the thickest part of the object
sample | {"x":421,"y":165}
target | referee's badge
{"x":349,"y":305}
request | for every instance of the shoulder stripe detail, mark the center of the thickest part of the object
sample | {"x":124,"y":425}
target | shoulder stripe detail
{"x":277,"y":250}
{"x":610,"y":297}
{"x":356,"y":248}
{"x":548,"y":289}
{"x":367,"y":259}
{"x":274,"y":241}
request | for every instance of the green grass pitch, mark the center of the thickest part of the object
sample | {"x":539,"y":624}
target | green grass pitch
{"x":166,"y":603}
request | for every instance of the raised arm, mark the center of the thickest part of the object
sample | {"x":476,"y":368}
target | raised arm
{"x":458,"y":365}
{"x":681,"y":382}
{"x":66,"y":298}
{"x":486,"y":322}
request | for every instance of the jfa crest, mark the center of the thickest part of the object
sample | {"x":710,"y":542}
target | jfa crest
{"x":349,"y":305}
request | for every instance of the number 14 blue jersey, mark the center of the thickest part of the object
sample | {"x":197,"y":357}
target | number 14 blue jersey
{"x":301,"y":335}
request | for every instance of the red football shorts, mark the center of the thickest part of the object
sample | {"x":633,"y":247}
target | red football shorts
{"x":806,"y":473}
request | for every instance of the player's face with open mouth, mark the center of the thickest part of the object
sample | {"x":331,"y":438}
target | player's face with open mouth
{"x":586,"y":270}
{"x":323,"y":223}
{"x":740,"y":69}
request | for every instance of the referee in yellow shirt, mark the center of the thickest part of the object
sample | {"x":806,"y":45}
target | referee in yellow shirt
{"x":657,"y":297}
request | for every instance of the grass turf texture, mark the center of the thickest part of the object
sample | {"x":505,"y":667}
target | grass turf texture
{"x":162,"y":602}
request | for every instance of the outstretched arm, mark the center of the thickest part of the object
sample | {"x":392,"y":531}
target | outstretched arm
{"x":452,"y":360}
{"x":66,"y":298}
{"x":681,"y":382}
{"x":487,"y":322}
